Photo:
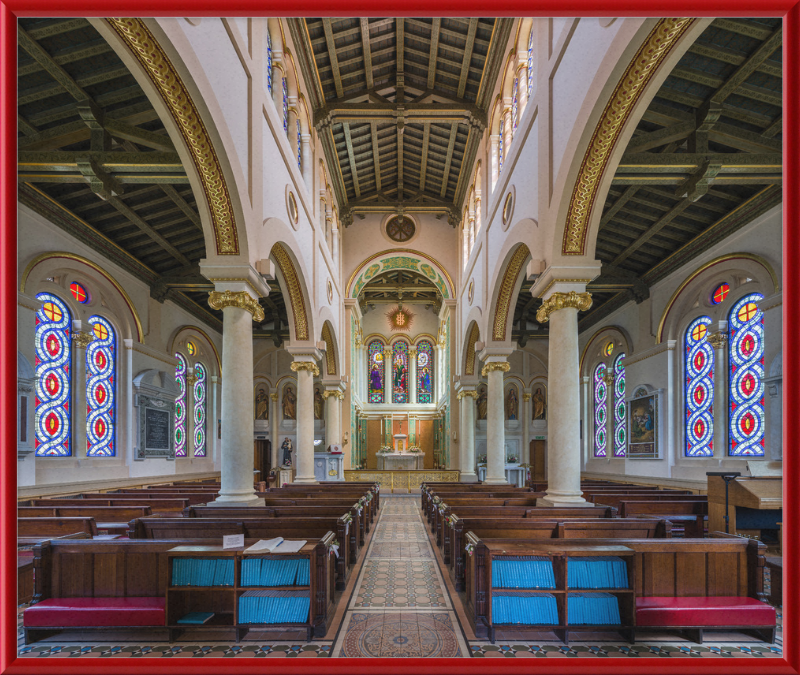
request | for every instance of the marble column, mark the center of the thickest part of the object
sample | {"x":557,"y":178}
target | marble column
{"x":719,"y":341}
{"x":495,"y":423}
{"x":306,"y":371}
{"x":81,"y":341}
{"x":412,"y":374}
{"x":508,"y":128}
{"x":335,"y":245}
{"x":522,"y":87}
{"x":387,"y":375}
{"x":307,"y":161}
{"x":494,"y":141}
{"x":274,"y":431}
{"x":564,"y":405}
{"x":239,"y":309}
{"x":672,"y":397}
{"x":525,"y":455}
{"x":467,"y":397}
{"x":277,"y":84}
{"x":333,"y":422}
{"x":213,"y":416}
{"x":130,"y":412}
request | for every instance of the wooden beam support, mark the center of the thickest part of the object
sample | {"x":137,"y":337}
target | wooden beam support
{"x":53,"y":69}
{"x":337,"y":77}
{"x":351,"y":157}
{"x":426,"y":137}
{"x":182,"y":204}
{"x":654,"y":229}
{"x":367,"y":47}
{"x":448,"y":162}
{"x":654,"y":139}
{"x":462,"y":80}
{"x":434,"y":53}
{"x":376,"y":156}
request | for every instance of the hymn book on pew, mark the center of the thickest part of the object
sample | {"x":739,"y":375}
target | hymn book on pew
{"x":196,"y":618}
{"x":270,"y":546}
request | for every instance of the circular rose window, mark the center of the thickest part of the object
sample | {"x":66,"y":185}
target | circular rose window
{"x":400,"y":229}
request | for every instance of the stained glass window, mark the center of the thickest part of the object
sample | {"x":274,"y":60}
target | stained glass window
{"x":180,"y":407}
{"x":746,"y":373}
{"x":101,"y":379}
{"x":699,"y":389}
{"x":530,"y":63}
{"x":79,"y":292}
{"x":191,"y":348}
{"x":200,"y":410}
{"x":720,"y":293}
{"x":500,"y":149}
{"x":285,"y":106}
{"x":514,"y":94}
{"x":400,"y":372}
{"x":608,"y":350}
{"x":269,"y":63}
{"x":600,"y":398}
{"x":425,"y":372}
{"x":53,"y":371}
{"x":376,"y":371}
{"x":299,"y":146}
{"x":620,"y":439}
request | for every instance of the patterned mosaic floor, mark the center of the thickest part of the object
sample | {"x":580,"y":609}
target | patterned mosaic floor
{"x":400,"y":606}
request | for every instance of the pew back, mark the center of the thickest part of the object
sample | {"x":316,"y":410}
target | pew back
{"x":55,"y":527}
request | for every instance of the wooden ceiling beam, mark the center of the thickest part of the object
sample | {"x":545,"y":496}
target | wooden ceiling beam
{"x":69,"y":55}
{"x":655,"y":139}
{"x":400,"y":163}
{"x":329,"y":39}
{"x":351,"y":158}
{"x":182,"y":204}
{"x":433,"y":56}
{"x":426,"y":137}
{"x":367,"y":47}
{"x":773,"y":129}
{"x":376,"y":161}
{"x":55,"y":71}
{"x":448,"y":162}
{"x":462,"y":80}
{"x":652,"y":231}
{"x":734,"y":58}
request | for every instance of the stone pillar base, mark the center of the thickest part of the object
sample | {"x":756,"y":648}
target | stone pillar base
{"x":495,"y":481}
{"x":563,"y":502}
{"x":237,"y":500}
{"x":468,"y":478}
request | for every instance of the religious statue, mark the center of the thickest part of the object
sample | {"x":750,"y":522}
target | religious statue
{"x":319,"y":404}
{"x":482,"y":403}
{"x":539,"y":404}
{"x":286,"y":446}
{"x":425,"y":380}
{"x":289,"y":400}
{"x":512,"y":404}
{"x":375,"y":378}
{"x":262,"y":404}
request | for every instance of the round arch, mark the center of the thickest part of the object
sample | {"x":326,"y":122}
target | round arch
{"x":301,"y":324}
{"x":407,"y":259}
{"x":598,"y":336}
{"x":470,"y":357}
{"x":506,"y":291}
{"x":184,"y":331}
{"x":331,"y":349}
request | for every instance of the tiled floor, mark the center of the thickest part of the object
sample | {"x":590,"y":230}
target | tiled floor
{"x":399,"y":605}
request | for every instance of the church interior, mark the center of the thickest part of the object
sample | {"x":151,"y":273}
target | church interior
{"x":470,"y":327}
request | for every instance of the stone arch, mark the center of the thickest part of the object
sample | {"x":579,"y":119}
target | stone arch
{"x":587,"y":361}
{"x":295,"y":290}
{"x":183,"y":333}
{"x":41,"y":265}
{"x":470,"y":358}
{"x":506,"y":291}
{"x":331,"y":349}
{"x":409,"y":259}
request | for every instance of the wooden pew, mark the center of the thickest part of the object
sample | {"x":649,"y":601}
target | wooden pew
{"x":429,"y":490}
{"x":158,"y":507}
{"x":613,"y":499}
{"x":721,"y":567}
{"x":55,"y":527}
{"x":689,"y":515}
{"x":251,"y":528}
{"x":115,"y":519}
{"x":350,"y":486}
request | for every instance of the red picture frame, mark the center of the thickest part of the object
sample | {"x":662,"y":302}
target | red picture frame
{"x":11,"y":9}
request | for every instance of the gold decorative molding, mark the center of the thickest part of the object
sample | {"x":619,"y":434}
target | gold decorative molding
{"x":412,"y":351}
{"x":503,"y":304}
{"x":467,"y":393}
{"x":608,"y":378}
{"x":474,"y":336}
{"x":492,"y":366}
{"x":333,"y":392}
{"x":274,"y":396}
{"x":330,"y":349}
{"x":609,"y":128}
{"x":388,"y":351}
{"x":176,"y":96}
{"x":191,"y":378}
{"x":404,"y":252}
{"x":717,"y":340}
{"x":580,"y":301}
{"x":526,"y":397}
{"x":563,"y":281}
{"x":83,"y":339}
{"x":241,"y":299}
{"x":305,"y":365}
{"x":295,"y":291}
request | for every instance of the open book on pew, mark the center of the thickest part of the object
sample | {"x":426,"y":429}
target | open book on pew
{"x":278,"y":544}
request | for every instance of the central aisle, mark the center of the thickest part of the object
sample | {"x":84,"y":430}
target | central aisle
{"x":400,"y":606}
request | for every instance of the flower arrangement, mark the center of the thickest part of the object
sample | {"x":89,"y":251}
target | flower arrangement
{"x":481,"y":460}
{"x":469,"y":548}
{"x":512,"y":459}
{"x":385,"y":449}
{"x":415,"y":449}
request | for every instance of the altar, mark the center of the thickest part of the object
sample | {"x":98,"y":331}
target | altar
{"x":401,"y":461}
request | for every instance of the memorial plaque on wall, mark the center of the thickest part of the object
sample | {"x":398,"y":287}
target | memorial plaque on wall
{"x":156,"y":428}
{"x":643,"y":426}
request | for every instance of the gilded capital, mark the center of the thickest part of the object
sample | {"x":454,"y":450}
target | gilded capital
{"x":191,"y":378}
{"x":608,"y":378}
{"x":526,"y":397}
{"x":305,"y":365}
{"x":467,"y":393}
{"x":83,"y":339}
{"x":387,"y":350}
{"x":241,"y":299}
{"x":503,"y":366}
{"x":274,"y":395}
{"x":333,"y":392}
{"x":412,"y":351}
{"x":718,"y":340}
{"x":580,"y":301}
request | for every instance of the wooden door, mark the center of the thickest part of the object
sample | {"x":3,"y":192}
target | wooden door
{"x":538,"y":460}
{"x":261,"y":459}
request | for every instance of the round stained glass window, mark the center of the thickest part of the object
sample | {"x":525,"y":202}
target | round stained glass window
{"x":720,"y":293}
{"x":608,"y":349}
{"x":191,"y":348}
{"x":400,"y":229}
{"x":79,"y":292}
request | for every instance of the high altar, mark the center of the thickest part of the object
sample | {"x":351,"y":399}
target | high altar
{"x":400,"y":460}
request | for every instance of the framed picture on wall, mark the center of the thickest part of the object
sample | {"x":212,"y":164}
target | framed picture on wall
{"x":643,"y":426}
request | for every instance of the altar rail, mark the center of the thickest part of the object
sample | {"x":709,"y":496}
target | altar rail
{"x":402,"y":481}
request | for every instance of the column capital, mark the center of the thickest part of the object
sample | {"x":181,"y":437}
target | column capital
{"x":297,"y":366}
{"x":274,"y":396}
{"x":240,"y":299}
{"x":191,"y":378}
{"x":503,"y":366}
{"x":387,"y":350}
{"x":412,"y":351}
{"x":580,"y":301}
{"x":333,"y":392}
{"x":82,"y":338}
{"x":718,"y":340}
{"x":608,"y":378}
{"x":467,"y":393}
{"x":526,"y":397}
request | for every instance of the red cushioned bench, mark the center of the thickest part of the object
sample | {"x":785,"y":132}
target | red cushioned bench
{"x":59,"y":613}
{"x":693,"y":615}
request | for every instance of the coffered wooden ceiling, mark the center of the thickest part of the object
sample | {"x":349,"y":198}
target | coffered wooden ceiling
{"x":400,"y":286}
{"x":95,"y":159}
{"x":400,"y":106}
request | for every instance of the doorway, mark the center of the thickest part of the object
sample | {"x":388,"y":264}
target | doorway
{"x":538,"y":461}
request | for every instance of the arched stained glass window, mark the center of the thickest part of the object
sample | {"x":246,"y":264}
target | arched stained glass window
{"x":269,"y":63}
{"x":600,"y":399}
{"x":500,"y":149}
{"x":101,"y":380}
{"x":79,"y":292}
{"x":699,"y":388}
{"x":377,"y":369}
{"x":180,"y":407}
{"x":200,"y":385}
{"x":425,"y":372}
{"x":400,"y":372}
{"x":53,"y":373}
{"x":299,"y":146}
{"x":746,"y":377}
{"x":530,"y":63}
{"x":620,"y":437}
{"x":285,"y":105}
{"x":514,"y":104}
